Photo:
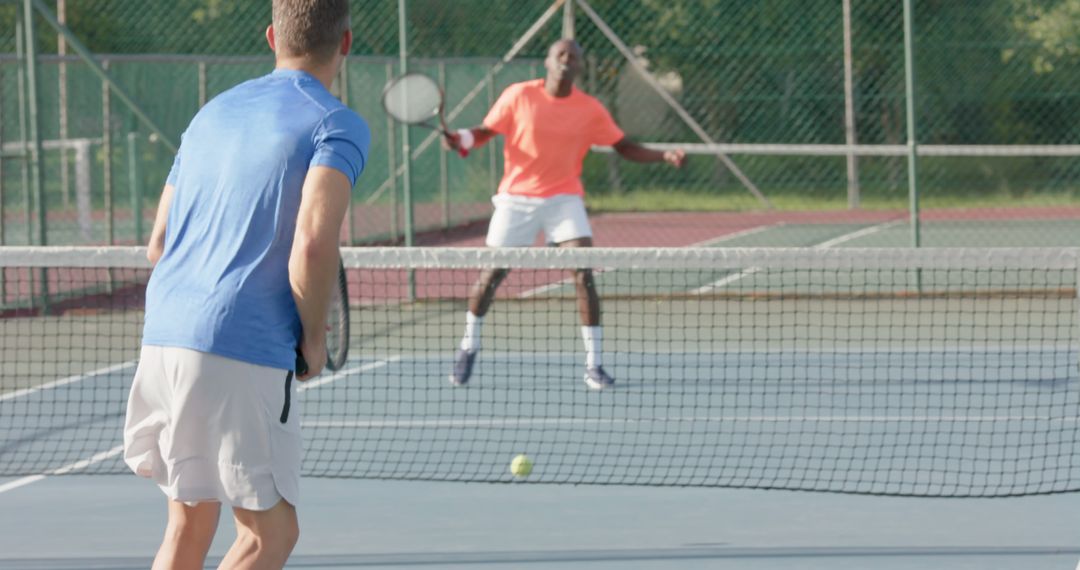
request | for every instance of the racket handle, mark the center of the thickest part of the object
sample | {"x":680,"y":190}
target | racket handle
{"x":301,"y":364}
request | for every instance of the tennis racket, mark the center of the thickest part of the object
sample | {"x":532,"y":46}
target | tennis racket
{"x":415,"y":99}
{"x":337,"y":327}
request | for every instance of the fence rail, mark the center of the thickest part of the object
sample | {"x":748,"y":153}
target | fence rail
{"x":785,"y":105}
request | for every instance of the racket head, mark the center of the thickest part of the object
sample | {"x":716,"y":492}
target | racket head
{"x":337,"y":322}
{"x":413,"y":98}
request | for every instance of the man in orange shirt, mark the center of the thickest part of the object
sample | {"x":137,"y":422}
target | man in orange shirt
{"x":549,"y":127}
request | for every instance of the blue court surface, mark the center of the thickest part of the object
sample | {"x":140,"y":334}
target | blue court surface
{"x":115,"y":521}
{"x":84,"y":522}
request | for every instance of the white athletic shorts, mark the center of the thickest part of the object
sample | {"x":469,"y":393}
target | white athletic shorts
{"x":209,"y":428}
{"x":518,"y":219}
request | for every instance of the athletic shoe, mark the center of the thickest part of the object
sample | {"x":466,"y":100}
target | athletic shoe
{"x":463,"y":363}
{"x":597,"y":379}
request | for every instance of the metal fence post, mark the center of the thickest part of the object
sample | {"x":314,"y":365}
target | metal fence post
{"x":391,"y":147}
{"x":24,"y":155}
{"x":107,"y":149}
{"x":343,"y":89}
{"x":912,"y":145}
{"x":444,"y":167}
{"x":33,"y":107}
{"x":849,"y":113}
{"x":406,"y":150}
{"x":202,"y":83}
{"x":136,"y":186}
{"x":493,"y":147}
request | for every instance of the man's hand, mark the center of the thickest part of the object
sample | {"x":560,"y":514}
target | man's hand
{"x":451,"y":141}
{"x":675,"y":157}
{"x":314,"y":352}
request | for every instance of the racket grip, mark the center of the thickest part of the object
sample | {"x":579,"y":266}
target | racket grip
{"x":301,"y":364}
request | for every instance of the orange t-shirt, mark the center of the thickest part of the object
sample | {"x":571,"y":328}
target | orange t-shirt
{"x":547,"y":138}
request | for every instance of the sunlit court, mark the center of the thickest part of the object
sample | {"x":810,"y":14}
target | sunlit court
{"x":619,"y":284}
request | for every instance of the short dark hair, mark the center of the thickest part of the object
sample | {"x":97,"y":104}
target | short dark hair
{"x":310,"y":27}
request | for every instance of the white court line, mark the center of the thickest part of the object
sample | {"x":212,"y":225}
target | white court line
{"x":341,"y":373}
{"x":97,"y":458}
{"x":709,"y":242}
{"x":65,"y":381}
{"x":531,"y":422}
{"x":737,"y":235}
{"x":823,"y":245}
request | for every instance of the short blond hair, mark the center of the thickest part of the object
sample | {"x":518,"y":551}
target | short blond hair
{"x":310,"y":27}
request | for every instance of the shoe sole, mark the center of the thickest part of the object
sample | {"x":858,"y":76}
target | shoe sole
{"x":596,"y":385}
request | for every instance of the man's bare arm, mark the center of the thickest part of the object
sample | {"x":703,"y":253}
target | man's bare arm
{"x":313,"y":262}
{"x":635,"y":152}
{"x":156,"y":247}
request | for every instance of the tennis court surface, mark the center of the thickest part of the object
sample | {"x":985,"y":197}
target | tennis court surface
{"x":887,"y":377}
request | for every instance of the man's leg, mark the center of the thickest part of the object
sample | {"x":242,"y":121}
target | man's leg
{"x":592,"y":334}
{"x":187,"y":536}
{"x":481,"y":297}
{"x":264,"y":539}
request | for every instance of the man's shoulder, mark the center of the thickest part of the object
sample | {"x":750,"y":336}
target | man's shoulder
{"x":524,"y":87}
{"x":589,"y":100}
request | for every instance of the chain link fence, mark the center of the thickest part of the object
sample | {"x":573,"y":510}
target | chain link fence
{"x":785,"y":106}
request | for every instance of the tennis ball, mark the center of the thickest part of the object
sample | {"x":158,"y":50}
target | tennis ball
{"x":521,"y":466}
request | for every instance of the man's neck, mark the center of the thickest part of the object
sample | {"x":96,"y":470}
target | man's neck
{"x":558,"y":88}
{"x":325,"y":72}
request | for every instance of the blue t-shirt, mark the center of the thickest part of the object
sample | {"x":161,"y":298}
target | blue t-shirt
{"x":222,"y":284}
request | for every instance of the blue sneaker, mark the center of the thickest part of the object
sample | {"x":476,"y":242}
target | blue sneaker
{"x":463,"y":363}
{"x":597,"y":379}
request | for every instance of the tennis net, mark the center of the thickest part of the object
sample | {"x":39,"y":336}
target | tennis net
{"x":927,"y":372}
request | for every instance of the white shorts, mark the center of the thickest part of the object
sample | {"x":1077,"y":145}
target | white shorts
{"x":518,"y":219}
{"x":209,"y":428}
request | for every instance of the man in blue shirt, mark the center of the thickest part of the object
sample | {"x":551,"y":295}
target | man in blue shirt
{"x":245,"y":252}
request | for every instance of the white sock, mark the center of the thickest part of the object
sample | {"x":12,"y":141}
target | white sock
{"x":593,"y":337}
{"x":471,"y":340}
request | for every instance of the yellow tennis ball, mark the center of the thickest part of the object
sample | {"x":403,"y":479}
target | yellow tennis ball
{"x":521,"y":465}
